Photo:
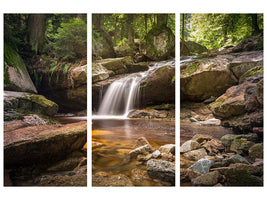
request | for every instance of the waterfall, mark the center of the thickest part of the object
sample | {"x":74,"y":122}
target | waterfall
{"x":122,"y":96}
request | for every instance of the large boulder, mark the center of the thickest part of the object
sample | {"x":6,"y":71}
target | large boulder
{"x":29,"y":102}
{"x":16,"y":76}
{"x":192,"y":48}
{"x":160,"y":43}
{"x":162,"y":170}
{"x":204,"y":77}
{"x":36,"y":145}
{"x":241,"y":106}
{"x":158,"y":87}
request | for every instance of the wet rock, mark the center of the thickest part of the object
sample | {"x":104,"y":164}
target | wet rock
{"x":99,"y":73}
{"x":158,"y":87}
{"x":143,"y":150}
{"x":140,"y":177}
{"x":162,"y":170}
{"x":186,"y":175}
{"x":236,"y":159}
{"x":34,"y":120}
{"x":143,"y":158}
{"x":209,"y":100}
{"x":195,"y":154}
{"x":202,"y":166}
{"x":241,"y":146}
{"x":43,"y":144}
{"x":150,"y":114}
{"x":189,"y":146}
{"x":208,"y":179}
{"x":185,"y":163}
{"x":57,"y":180}
{"x":167,"y":148}
{"x":141,"y":142}
{"x":256,"y":151}
{"x":210,"y":122}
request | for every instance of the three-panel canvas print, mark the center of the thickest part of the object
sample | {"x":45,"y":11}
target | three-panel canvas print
{"x":150,"y":84}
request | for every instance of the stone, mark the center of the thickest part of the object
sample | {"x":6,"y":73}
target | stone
{"x":29,"y":102}
{"x":167,"y":148}
{"x":240,"y":177}
{"x":241,"y":146}
{"x":186,"y":175}
{"x":189,"y":146}
{"x":210,"y":122}
{"x":156,"y":154}
{"x":169,"y":157}
{"x":195,"y":154}
{"x":143,"y":150}
{"x":201,"y":138}
{"x":236,"y":159}
{"x":162,"y":170}
{"x":16,"y":76}
{"x":99,"y":73}
{"x":208,"y":179}
{"x":160,"y":43}
{"x":202,"y":166}
{"x":254,"y":170}
{"x":213,"y":146}
{"x":158,"y":87}
{"x":185,"y":163}
{"x":141,"y":142}
{"x":43,"y":144}
{"x":256,"y":151}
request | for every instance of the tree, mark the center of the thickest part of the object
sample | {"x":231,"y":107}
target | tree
{"x":37,"y":24}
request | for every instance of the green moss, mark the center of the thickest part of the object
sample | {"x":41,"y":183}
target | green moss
{"x":173,"y":79}
{"x":192,"y":68}
{"x":252,"y":72}
{"x":41,"y":100}
{"x":12,"y":58}
{"x":6,"y":75}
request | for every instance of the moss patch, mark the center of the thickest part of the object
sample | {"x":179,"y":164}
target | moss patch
{"x":251,"y":72}
{"x":192,"y":68}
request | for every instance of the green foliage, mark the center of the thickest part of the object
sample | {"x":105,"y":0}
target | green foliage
{"x":217,"y":30}
{"x":70,"y":41}
{"x":65,"y":68}
{"x":192,"y":68}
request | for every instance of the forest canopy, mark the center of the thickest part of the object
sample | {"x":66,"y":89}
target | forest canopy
{"x":60,"y":36}
{"x":218,"y":30}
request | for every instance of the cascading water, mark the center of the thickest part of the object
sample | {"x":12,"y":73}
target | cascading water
{"x":122,"y":96}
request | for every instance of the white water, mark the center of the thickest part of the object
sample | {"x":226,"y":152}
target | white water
{"x":122,"y":96}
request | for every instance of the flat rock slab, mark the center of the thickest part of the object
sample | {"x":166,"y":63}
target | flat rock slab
{"x":42,"y":144}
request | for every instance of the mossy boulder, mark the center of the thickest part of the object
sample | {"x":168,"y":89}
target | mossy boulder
{"x":256,"y":151}
{"x":116,"y":65}
{"x":192,"y":48}
{"x":160,"y":43}
{"x":16,"y":76}
{"x":29,"y":102}
{"x":99,"y":72}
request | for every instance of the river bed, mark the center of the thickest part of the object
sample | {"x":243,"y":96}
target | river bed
{"x":113,"y":140}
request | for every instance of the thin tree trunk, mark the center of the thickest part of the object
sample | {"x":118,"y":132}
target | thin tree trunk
{"x":182,"y":48}
{"x":255,"y":27}
{"x":130,"y":30}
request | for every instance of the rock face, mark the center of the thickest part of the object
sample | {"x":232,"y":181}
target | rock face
{"x":162,"y":170}
{"x":205,"y":77}
{"x":16,"y":76}
{"x":29,"y":102}
{"x":66,"y":84}
{"x":159,"y":87}
{"x":243,"y":103}
{"x":42,"y":144}
{"x":160,"y":43}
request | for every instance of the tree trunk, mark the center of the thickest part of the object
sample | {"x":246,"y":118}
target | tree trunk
{"x":182,"y":48}
{"x":255,"y":27}
{"x":162,"y":20}
{"x":145,"y":15}
{"x":225,"y":27}
{"x":130,"y":30}
{"x":116,"y":30}
{"x":37,"y":32}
